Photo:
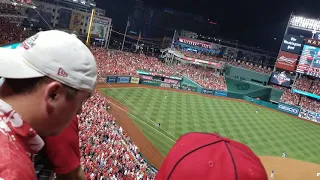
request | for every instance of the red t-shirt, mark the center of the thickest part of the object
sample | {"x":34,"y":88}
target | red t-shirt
{"x":18,"y":142}
{"x":63,"y":149}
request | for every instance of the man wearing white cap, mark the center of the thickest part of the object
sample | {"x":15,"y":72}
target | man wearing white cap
{"x":46,"y":80}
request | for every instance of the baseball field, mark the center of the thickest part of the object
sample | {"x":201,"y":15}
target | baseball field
{"x":267,"y":132}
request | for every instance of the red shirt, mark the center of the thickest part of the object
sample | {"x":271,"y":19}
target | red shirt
{"x":18,"y":142}
{"x":63,"y":149}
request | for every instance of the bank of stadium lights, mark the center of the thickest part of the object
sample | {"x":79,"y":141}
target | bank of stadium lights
{"x":305,"y":23}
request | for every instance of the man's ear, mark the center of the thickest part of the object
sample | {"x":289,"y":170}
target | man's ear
{"x":53,"y":94}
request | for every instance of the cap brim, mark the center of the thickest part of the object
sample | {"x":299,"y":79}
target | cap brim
{"x":13,"y":65}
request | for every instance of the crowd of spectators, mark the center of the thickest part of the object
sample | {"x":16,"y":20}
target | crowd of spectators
{"x":310,"y":104}
{"x":288,"y":97}
{"x":309,"y":85}
{"x":303,"y":83}
{"x":125,"y":63}
{"x":305,"y":102}
{"x":234,"y":62}
{"x":106,"y":151}
{"x":251,"y":66}
{"x":206,"y":77}
{"x":12,"y":15}
{"x":315,"y":88}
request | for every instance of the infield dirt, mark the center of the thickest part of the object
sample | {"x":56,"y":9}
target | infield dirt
{"x":285,"y":169}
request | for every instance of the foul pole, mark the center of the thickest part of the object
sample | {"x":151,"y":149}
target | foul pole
{"x":90,"y":24}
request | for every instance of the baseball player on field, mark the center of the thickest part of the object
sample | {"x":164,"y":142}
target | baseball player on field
{"x":284,"y":154}
{"x":272,"y":174}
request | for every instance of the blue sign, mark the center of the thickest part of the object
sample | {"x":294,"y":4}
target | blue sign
{"x":111,"y":79}
{"x":123,"y":79}
{"x":220,"y":93}
{"x":289,"y":109}
{"x":207,"y":91}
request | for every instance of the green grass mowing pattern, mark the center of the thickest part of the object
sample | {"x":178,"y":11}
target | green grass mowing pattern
{"x":267,"y":132}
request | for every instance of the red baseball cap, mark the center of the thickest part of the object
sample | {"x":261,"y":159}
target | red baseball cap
{"x":209,"y":156}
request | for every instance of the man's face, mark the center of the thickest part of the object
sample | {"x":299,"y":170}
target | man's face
{"x":60,"y":109}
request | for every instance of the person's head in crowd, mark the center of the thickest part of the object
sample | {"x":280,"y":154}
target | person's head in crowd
{"x":209,"y":156}
{"x":47,"y":78}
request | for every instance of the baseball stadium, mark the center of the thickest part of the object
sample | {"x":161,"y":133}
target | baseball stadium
{"x":146,"y":99}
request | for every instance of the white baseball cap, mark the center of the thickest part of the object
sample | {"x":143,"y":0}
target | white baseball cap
{"x":55,"y":54}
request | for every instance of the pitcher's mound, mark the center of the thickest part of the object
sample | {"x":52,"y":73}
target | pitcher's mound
{"x":290,"y":169}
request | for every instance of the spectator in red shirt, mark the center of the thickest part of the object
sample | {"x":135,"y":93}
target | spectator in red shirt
{"x":43,"y":90}
{"x":63,"y":154}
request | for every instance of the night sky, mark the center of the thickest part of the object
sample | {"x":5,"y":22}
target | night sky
{"x":253,"y":23}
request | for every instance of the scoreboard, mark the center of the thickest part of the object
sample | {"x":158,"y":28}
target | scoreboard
{"x":309,"y":63}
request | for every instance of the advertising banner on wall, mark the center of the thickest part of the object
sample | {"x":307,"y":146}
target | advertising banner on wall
{"x":289,"y":109}
{"x":111,"y":79}
{"x":123,"y":79}
{"x":208,"y":91}
{"x":292,"y":43}
{"x":281,"y":79}
{"x":313,"y":42}
{"x":286,"y":61}
{"x":195,"y":43}
{"x":75,"y":21}
{"x":188,"y":88}
{"x":310,"y":61}
{"x":99,"y":26}
{"x":309,"y":115}
{"x":220,"y":93}
{"x":135,"y":80}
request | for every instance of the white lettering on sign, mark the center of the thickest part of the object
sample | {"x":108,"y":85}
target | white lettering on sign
{"x":306,"y":23}
{"x":195,"y":43}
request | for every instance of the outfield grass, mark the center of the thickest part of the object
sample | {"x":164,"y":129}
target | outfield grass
{"x":267,"y":132}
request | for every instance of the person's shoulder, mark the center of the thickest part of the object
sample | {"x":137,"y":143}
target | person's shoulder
{"x":14,"y":163}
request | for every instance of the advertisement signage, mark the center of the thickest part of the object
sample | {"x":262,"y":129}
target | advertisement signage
{"x":305,"y":23}
{"x":281,"y":79}
{"x":99,"y":26}
{"x":135,"y":80}
{"x":195,"y":43}
{"x":208,"y":91}
{"x":75,"y":21}
{"x":166,"y":85}
{"x":289,"y":109}
{"x":189,"y":88}
{"x":172,"y":81}
{"x":309,"y":61}
{"x":292,"y":43}
{"x":221,"y":93}
{"x":310,"y":115}
{"x":313,"y":42}
{"x":286,"y":61}
{"x":111,"y":79}
{"x":146,"y":77}
{"x":123,"y":79}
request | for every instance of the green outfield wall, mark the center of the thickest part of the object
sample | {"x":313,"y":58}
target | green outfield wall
{"x":245,"y":74}
{"x":240,"y":88}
